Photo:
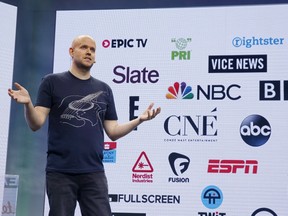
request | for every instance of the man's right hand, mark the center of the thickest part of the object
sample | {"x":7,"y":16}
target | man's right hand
{"x":21,"y":95}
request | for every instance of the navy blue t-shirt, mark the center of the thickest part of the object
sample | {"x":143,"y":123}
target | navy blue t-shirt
{"x":78,"y":109}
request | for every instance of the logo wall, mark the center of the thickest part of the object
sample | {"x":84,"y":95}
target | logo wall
{"x":218,"y":147}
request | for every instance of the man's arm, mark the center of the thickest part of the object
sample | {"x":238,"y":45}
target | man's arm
{"x":35,"y":116}
{"x":115,"y":131}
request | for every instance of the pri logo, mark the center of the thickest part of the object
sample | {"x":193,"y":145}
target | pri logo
{"x":181,"y":45}
{"x":212,"y":197}
{"x":179,"y":91}
{"x":255,"y":130}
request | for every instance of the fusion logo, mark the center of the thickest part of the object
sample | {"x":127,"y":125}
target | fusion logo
{"x":256,"y":41}
{"x":232,"y":166}
{"x":271,"y":90}
{"x":237,"y":64}
{"x":143,"y":166}
{"x":181,"y":44}
{"x":145,"y":198}
{"x":255,"y":130}
{"x":212,"y":198}
{"x":259,"y":212}
{"x":109,"y":152}
{"x":124,"y":43}
{"x":179,"y":164}
{"x":128,"y":75}
{"x":185,"y":127}
{"x":210,"y":92}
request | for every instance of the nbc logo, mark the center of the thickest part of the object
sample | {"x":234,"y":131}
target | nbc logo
{"x":179,"y":91}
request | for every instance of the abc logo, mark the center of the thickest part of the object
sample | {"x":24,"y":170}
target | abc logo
{"x":255,"y":130}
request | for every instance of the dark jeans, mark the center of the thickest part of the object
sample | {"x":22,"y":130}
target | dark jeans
{"x":90,"y":190}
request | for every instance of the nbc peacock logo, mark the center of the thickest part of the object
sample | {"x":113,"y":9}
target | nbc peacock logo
{"x":179,"y":91}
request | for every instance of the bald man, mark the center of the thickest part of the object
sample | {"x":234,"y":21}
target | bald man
{"x":80,"y":108}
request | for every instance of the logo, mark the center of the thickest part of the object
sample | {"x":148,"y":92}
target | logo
{"x":145,"y":198}
{"x":181,"y":44}
{"x":124,"y":43}
{"x":127,"y":75}
{"x":210,"y":92}
{"x":263,"y":210}
{"x":212,"y":197}
{"x":256,"y":41}
{"x":109,"y":152}
{"x":255,"y":130}
{"x":142,"y":165}
{"x":179,"y":164}
{"x":232,"y":166}
{"x":185,"y":127}
{"x":271,"y":90}
{"x":128,"y":214}
{"x":179,"y":91}
{"x":237,"y":64}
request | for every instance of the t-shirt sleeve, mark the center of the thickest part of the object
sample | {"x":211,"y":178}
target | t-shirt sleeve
{"x":44,"y":96}
{"x":111,"y":113}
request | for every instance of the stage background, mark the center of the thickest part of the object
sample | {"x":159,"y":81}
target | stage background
{"x":196,"y":33}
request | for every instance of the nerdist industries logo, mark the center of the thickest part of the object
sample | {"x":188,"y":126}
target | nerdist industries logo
{"x":179,"y":164}
{"x":200,"y":92}
{"x":142,"y":170}
{"x":192,"y":128}
{"x":255,"y":130}
{"x":212,"y":198}
{"x":181,"y":52}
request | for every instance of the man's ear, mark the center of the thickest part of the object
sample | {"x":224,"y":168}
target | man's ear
{"x":71,"y":52}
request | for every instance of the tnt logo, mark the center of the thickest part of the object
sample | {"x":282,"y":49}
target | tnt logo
{"x":181,"y":45}
{"x":273,"y":90}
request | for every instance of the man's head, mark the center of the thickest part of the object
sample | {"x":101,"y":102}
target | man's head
{"x":82,"y":52}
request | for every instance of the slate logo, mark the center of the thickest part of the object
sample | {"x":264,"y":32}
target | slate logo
{"x":237,"y":64}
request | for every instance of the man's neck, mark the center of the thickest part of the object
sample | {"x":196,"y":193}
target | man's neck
{"x":80,"y":74}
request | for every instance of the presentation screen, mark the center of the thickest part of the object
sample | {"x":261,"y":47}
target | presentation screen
{"x":7,"y":44}
{"x":220,"y":76}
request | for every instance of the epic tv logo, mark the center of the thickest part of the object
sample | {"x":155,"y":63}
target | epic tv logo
{"x":181,"y":45}
{"x":255,"y":130}
{"x":125,"y":43}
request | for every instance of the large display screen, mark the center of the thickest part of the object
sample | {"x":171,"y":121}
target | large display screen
{"x":220,"y":77}
{"x":7,"y":44}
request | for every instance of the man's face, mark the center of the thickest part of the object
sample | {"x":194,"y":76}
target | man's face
{"x":83,"y":52}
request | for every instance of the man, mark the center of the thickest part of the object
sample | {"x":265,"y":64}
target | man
{"x":79,"y":108}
